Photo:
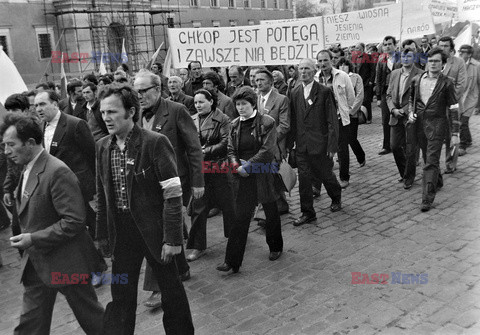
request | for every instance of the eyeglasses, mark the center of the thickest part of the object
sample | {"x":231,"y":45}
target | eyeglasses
{"x":145,"y":90}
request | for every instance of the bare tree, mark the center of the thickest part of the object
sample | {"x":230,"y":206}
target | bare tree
{"x":305,"y":8}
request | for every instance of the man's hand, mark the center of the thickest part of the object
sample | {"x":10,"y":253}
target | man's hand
{"x":22,"y":241}
{"x":397,"y":112}
{"x":7,"y":199}
{"x":241,"y":171}
{"x":379,"y":102}
{"x":330,"y":155}
{"x":198,"y":192}
{"x":412,"y":118}
{"x":168,"y":252}
{"x":455,"y":140}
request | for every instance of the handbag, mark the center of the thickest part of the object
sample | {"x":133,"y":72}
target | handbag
{"x":288,"y":175}
{"x":362,"y":115}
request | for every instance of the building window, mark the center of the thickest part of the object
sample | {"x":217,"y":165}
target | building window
{"x":263,"y":3}
{"x":216,"y":23}
{"x":287,"y":4}
{"x":251,"y":22}
{"x":233,"y":23}
{"x":231,"y":3}
{"x":197,"y":24}
{"x":214,"y":3}
{"x":193,"y":3}
{"x":45,"y":42}
{"x":5,"y":42}
{"x":246,"y":3}
{"x":275,"y":4}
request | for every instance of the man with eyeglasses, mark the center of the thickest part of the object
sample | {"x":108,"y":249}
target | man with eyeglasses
{"x":174,"y":121}
{"x":470,"y":101}
{"x":431,"y":93}
{"x":455,"y":70}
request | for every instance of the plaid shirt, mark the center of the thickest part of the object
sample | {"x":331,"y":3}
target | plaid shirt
{"x":119,"y":176}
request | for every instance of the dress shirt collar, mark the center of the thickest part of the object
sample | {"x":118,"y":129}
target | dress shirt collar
{"x":266,"y":96}
{"x":251,"y":116}
{"x":54,"y":121}
{"x":30,"y":164}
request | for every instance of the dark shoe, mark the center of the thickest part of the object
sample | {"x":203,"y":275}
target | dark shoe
{"x":425,"y":206}
{"x":225,"y":268}
{"x":344,"y":183}
{"x":97,"y":280}
{"x":384,"y":152}
{"x":407,"y":184}
{"x":195,"y":254}
{"x":213,"y":212}
{"x":336,"y":206}
{"x":185,"y":276}
{"x":462,"y":152}
{"x":283,"y":212}
{"x":154,"y":301}
{"x":450,"y":171}
{"x":362,"y":164}
{"x":262,"y":223}
{"x":304,"y":219}
{"x":274,"y":255}
{"x":400,"y":180}
{"x":316,"y":193}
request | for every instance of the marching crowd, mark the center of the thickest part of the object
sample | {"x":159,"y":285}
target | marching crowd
{"x":130,"y":158}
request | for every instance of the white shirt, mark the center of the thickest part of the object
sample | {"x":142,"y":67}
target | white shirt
{"x":28,"y":168}
{"x":390,"y":62}
{"x":50,"y":131}
{"x":264,"y":98}
{"x":148,"y":124}
{"x":307,"y":89}
{"x":251,"y":116}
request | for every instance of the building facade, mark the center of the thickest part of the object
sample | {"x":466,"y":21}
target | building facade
{"x":38,"y":35}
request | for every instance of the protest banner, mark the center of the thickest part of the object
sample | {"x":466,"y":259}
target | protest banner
{"x":367,"y":26}
{"x":469,"y":10}
{"x":416,"y":23}
{"x":275,"y":44}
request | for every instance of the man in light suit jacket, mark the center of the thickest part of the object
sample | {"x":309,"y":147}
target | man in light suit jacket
{"x":398,"y":95}
{"x":69,"y":139}
{"x":314,"y":131}
{"x":456,"y":70}
{"x":59,"y":255}
{"x":471,"y":98}
{"x":172,"y":120}
{"x":386,"y":64}
{"x":276,"y":105}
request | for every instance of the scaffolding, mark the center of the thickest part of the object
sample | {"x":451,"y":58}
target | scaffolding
{"x":89,"y":28}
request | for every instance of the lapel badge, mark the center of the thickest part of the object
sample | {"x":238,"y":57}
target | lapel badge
{"x":130,"y":161}
{"x":26,"y":195}
{"x":158,"y":127}
{"x":310,"y":102}
{"x":54,"y":144}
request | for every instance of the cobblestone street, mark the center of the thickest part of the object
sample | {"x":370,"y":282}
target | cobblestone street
{"x":309,"y":290}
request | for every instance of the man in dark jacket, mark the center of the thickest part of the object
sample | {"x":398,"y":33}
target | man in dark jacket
{"x":432,"y":92}
{"x":172,"y":120}
{"x":73,"y":104}
{"x":177,"y":95}
{"x":140,"y":212}
{"x":314,"y":130}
